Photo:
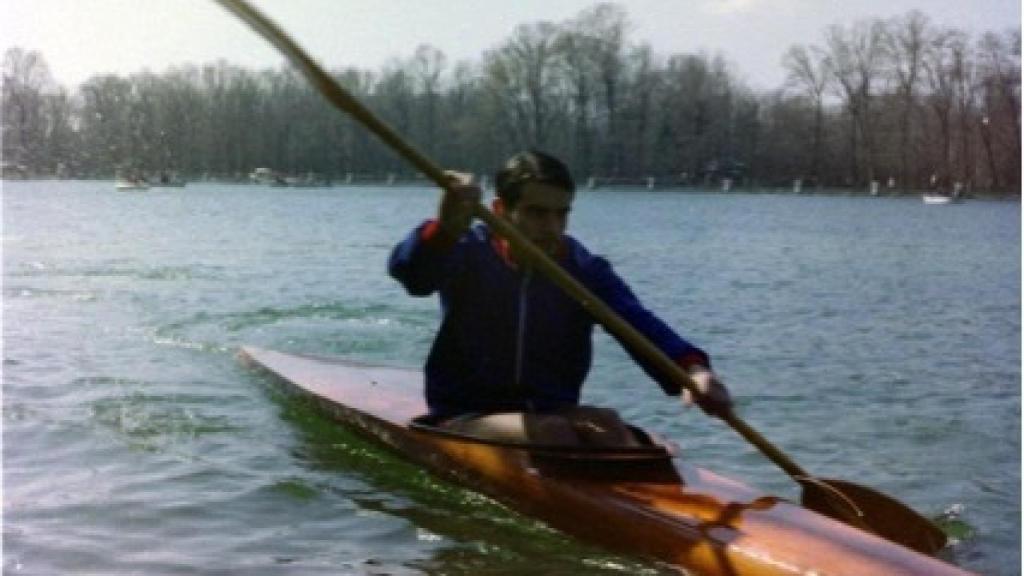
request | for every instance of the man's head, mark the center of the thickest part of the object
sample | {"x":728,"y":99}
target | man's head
{"x":535,"y":192}
{"x":531,"y":166}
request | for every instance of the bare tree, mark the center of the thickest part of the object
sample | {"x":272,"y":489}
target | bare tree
{"x":940,"y":68}
{"x":26,"y":79}
{"x":60,"y":137}
{"x":608,"y":25}
{"x":894,"y":95}
{"x":698,"y":101}
{"x":1000,"y":121}
{"x":428,"y":64}
{"x":643,"y":81}
{"x":575,"y":49}
{"x":808,"y":71}
{"x":906,"y":40}
{"x":964,"y":89}
{"x":103,"y":123}
{"x":855,"y":60}
{"x":472,"y":125}
{"x":522,"y":78}
{"x":687,"y":115}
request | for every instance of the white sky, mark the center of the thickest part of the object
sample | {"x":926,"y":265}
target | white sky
{"x":79,"y":38}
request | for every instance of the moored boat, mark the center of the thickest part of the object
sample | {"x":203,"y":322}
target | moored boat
{"x":639,"y":500}
{"x":938,"y":199}
{"x":136,"y":184}
{"x":941,"y":192}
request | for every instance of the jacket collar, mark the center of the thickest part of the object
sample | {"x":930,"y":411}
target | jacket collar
{"x":504,"y":250}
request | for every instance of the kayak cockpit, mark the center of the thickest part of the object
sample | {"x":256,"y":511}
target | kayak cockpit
{"x":651,"y":461}
{"x":649,"y":446}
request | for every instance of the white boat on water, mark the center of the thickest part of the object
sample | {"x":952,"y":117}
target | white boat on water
{"x":131,"y":185}
{"x":941,"y":199}
{"x":279,"y":179}
{"x":265,"y":176}
{"x":941,"y":192}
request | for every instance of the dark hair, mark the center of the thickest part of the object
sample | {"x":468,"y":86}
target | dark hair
{"x":530,"y":166}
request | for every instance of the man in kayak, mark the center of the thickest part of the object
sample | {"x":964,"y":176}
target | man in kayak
{"x":513,"y":350}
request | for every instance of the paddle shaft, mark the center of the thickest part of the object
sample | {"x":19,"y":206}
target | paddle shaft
{"x":530,"y":254}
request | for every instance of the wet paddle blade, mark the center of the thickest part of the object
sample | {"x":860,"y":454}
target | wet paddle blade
{"x":872,"y":511}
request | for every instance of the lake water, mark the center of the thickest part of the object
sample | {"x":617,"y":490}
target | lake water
{"x":872,"y":339}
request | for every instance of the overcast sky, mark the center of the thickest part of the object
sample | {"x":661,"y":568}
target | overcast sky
{"x":80,"y":38}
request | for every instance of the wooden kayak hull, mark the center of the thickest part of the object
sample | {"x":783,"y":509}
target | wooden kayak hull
{"x":649,"y":505}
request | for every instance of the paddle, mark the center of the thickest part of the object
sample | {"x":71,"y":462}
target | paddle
{"x":857,"y":505}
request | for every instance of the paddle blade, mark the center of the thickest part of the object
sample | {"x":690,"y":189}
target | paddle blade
{"x":872,"y":511}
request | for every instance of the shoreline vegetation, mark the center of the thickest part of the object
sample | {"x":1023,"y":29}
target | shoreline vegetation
{"x":876,"y":107}
{"x":668,"y":188}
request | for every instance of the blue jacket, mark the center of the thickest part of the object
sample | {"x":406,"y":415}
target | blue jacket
{"x":511,"y":340}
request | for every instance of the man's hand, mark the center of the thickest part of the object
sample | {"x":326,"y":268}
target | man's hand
{"x":714,"y":397}
{"x":456,"y":211}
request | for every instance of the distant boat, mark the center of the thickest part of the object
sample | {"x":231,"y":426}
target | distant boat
{"x":940,"y":193}
{"x":132,"y":184}
{"x":266,"y":176}
{"x":278,"y":179}
{"x":937,"y":199}
{"x":942,"y":198}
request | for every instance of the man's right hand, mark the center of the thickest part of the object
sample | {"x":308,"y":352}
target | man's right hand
{"x":460,"y":198}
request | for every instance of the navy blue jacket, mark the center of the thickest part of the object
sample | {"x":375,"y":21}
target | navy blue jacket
{"x":511,"y":340}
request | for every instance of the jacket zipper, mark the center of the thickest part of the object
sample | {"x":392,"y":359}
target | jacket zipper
{"x":521,"y":333}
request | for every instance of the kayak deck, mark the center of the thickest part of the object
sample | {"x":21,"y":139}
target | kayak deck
{"x":634,"y":500}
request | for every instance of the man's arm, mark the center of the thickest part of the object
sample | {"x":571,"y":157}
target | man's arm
{"x":421,"y":262}
{"x":714,"y":396}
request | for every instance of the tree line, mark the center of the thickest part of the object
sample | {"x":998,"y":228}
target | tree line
{"x":900,"y":101}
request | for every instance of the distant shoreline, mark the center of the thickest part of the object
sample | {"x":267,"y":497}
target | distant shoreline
{"x":671,"y":188}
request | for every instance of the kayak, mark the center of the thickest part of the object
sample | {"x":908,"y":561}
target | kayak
{"x":640,"y":500}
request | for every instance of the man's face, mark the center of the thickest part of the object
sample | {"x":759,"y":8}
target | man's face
{"x":542,"y":214}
